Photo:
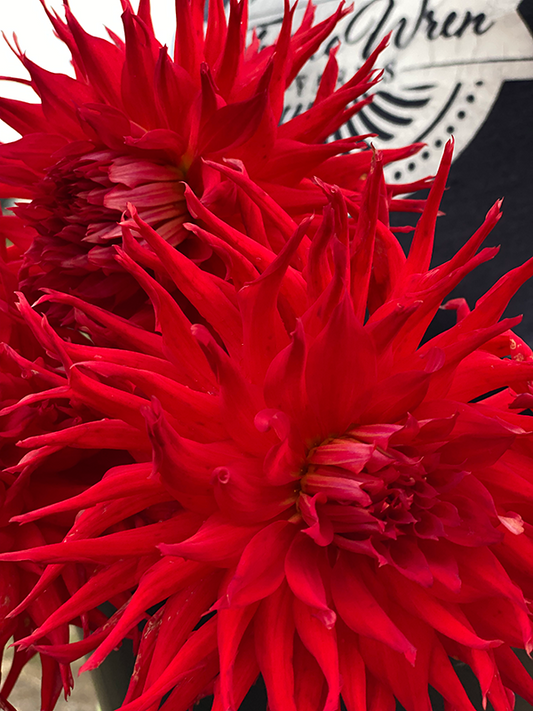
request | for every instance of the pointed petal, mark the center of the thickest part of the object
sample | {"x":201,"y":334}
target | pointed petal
{"x":197,"y":286}
{"x":218,"y":542}
{"x":321,"y":642}
{"x":304,"y":575}
{"x":444,"y":617}
{"x":182,"y":348}
{"x":158,"y":582}
{"x":232,"y":624}
{"x":352,"y":669}
{"x":341,"y":370}
{"x":260,"y":569}
{"x":274,"y":633}
{"x":368,"y":618}
{"x":264,"y":333}
{"x":419,"y":257}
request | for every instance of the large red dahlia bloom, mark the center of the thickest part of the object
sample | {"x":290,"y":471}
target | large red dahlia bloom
{"x":353,"y":504}
{"x":134,"y":123}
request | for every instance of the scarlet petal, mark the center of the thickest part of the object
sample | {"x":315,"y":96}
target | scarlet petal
{"x":169,"y":452}
{"x":369,"y":618}
{"x":232,"y":625}
{"x":218,"y":541}
{"x":442,"y":563}
{"x":320,"y":527}
{"x":502,"y":699}
{"x":341,"y":370}
{"x":108,"y":400}
{"x":194,"y":655}
{"x":120,"y":482}
{"x":264,"y":332}
{"x":285,"y":380}
{"x":352,"y":669}
{"x":138,"y":72}
{"x":397,"y":395}
{"x":407,"y":557}
{"x":321,"y":642}
{"x":272,"y":209}
{"x":137,"y":542}
{"x":23,"y":117}
{"x":245,"y":672}
{"x":379,"y":696}
{"x":274,"y":632}
{"x":443,"y":678}
{"x":101,"y":60}
{"x":197,"y":286}
{"x":513,"y":673}
{"x":240,"y":401}
{"x":102,"y":586}
{"x":241,"y":492}
{"x":182,"y":403}
{"x":257,"y":254}
{"x":447,"y":618}
{"x":188,"y":356}
{"x":422,"y":247}
{"x":107,"y":434}
{"x":155,"y":585}
{"x":364,"y":238}
{"x":304,"y":575}
{"x":260,"y":569}
{"x":180,"y":616}
{"x":408,"y":683}
{"x":232,"y":125}
{"x":310,"y":687}
{"x":348,"y":454}
{"x":129,"y":335}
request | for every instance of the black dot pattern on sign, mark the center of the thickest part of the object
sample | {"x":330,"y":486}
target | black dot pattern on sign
{"x":461,"y":114}
{"x":397,"y":175}
{"x":438,"y":143}
{"x":450,"y":129}
{"x":470,"y":98}
{"x":425,"y":155}
{"x":411,"y":166}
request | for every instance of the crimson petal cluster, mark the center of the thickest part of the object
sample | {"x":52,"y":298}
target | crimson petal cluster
{"x":135,"y":123}
{"x":352,"y":503}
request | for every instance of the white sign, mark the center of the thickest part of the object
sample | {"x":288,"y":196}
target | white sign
{"x":444,"y":68}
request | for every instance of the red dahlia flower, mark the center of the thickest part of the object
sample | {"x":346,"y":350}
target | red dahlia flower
{"x":135,"y":123}
{"x":352,"y":504}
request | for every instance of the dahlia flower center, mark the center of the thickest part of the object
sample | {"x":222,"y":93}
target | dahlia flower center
{"x":76,"y":212}
{"x":359,"y":486}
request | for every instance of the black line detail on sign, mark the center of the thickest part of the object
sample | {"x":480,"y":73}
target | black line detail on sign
{"x":367,"y":123}
{"x":401,"y":102}
{"x":467,"y":63}
{"x":447,"y":105}
{"x":391,"y":118}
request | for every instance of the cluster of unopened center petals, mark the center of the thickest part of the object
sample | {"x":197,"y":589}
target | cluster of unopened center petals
{"x":351,"y":505}
{"x":135,"y":123}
